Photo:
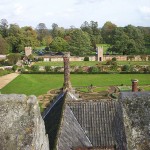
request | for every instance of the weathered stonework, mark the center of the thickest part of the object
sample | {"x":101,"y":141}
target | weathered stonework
{"x":136,"y":113}
{"x":67,"y":83}
{"x":21,"y":124}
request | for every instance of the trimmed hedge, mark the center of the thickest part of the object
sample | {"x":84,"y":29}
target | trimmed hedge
{"x":40,"y":72}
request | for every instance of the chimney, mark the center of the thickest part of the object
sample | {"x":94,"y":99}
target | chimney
{"x":67,"y":83}
{"x":134,"y":85}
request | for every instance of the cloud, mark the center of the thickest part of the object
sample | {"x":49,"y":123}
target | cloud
{"x":87,"y":1}
{"x":18,"y":9}
{"x":145,"y":12}
{"x":145,"y":9}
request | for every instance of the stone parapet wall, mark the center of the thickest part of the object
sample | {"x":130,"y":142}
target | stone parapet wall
{"x":21,"y":124}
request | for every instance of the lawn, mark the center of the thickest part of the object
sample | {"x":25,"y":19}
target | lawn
{"x":37,"y":84}
{"x":90,"y":63}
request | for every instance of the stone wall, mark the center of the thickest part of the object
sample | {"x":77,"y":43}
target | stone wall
{"x":2,"y":57}
{"x":136,"y":113}
{"x":21,"y":124}
{"x":93,"y":58}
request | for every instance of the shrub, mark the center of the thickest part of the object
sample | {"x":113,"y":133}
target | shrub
{"x":108,"y":62}
{"x":79,"y":70}
{"x":94,"y":69}
{"x":86,"y":58}
{"x":126,"y":68}
{"x":57,"y":69}
{"x":35,"y":68}
{"x":47,"y":68}
{"x":114,"y":59}
{"x":31,"y":57}
{"x":14,"y":68}
{"x":13,"y":58}
{"x":40,"y":59}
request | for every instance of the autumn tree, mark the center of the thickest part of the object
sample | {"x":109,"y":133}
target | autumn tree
{"x":108,"y":32}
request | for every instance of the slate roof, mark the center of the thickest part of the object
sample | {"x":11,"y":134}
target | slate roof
{"x":71,"y":133}
{"x":52,"y":118}
{"x":101,"y":121}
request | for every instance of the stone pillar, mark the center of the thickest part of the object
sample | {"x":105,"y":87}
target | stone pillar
{"x":67,"y":83}
{"x":134,"y":85}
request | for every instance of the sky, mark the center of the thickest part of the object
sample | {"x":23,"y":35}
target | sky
{"x":67,"y":13}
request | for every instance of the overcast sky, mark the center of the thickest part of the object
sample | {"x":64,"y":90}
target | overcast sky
{"x":68,"y":13}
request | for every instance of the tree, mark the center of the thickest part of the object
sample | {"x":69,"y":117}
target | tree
{"x":93,"y":31}
{"x":29,"y":37}
{"x":136,"y":39}
{"x":57,"y":31}
{"x":4,"y":47}
{"x":59,"y":45}
{"x":47,"y":40}
{"x":127,"y":41}
{"x":42,"y":32}
{"x":3,"y":27}
{"x":108,"y":31}
{"x":14,"y":32}
{"x":79,"y":43}
{"x":21,"y":37}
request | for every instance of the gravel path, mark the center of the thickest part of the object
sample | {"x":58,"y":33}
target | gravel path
{"x":4,"y":80}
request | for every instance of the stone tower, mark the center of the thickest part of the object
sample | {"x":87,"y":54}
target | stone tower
{"x":67,"y":84}
{"x":99,"y":53}
{"x":28,"y":51}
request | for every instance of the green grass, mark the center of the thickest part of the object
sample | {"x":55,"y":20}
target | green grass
{"x":4,"y":72}
{"x":90,"y":63}
{"x":124,"y":88}
{"x":99,"y":89}
{"x":38,"y":84}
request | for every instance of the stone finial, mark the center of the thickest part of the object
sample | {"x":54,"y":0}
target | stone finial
{"x":134,"y":85}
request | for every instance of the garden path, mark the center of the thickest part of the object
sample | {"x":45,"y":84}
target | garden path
{"x":4,"y":80}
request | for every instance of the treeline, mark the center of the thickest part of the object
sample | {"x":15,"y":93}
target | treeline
{"x":79,"y":41}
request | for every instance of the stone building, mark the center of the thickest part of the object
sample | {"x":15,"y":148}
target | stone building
{"x":21,"y":124}
{"x":100,"y":124}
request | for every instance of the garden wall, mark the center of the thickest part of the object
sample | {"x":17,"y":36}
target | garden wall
{"x":94,"y":58}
